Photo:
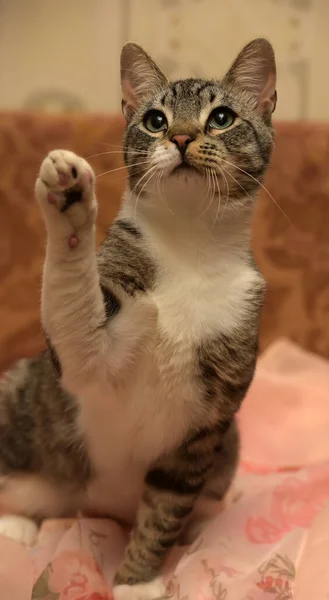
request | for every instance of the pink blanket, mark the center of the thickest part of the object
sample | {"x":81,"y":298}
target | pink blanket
{"x":271,"y":543}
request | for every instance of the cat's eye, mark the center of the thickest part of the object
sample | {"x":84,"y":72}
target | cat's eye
{"x":221,"y":118}
{"x":155,"y":121}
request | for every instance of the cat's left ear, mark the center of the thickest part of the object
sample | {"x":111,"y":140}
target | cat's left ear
{"x":140,"y":78}
{"x":254,"y":71}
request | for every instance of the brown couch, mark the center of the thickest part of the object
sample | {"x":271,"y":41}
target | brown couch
{"x":291,"y":229}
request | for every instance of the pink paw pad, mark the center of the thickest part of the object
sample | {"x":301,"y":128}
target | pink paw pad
{"x":73,"y":241}
{"x":51,"y":199}
{"x":63,"y":178}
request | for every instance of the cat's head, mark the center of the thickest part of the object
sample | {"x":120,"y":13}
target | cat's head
{"x":211,"y":137}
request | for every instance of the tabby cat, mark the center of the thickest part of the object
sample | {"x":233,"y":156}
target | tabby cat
{"x":151,"y":341}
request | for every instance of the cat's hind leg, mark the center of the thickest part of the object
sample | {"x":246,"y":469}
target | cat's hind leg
{"x":24,"y":500}
{"x":18,"y":528}
{"x":39,"y":477}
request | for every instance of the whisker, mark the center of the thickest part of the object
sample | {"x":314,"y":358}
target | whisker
{"x":263,"y":187}
{"x":133,"y":190}
{"x":207,"y":187}
{"x":211,"y":189}
{"x":109,"y":145}
{"x":153,"y":169}
{"x":127,"y":175}
{"x":118,"y":146}
{"x":138,"y":181}
{"x":219,"y":202}
{"x":135,"y":186}
{"x":227,"y":195}
{"x":236,"y":181}
{"x":103,"y":154}
{"x":159,"y":180}
{"x":121,"y":168}
{"x":140,"y":152}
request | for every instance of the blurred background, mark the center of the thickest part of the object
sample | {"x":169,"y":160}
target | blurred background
{"x":63,"y":56}
{"x":60,"y":88}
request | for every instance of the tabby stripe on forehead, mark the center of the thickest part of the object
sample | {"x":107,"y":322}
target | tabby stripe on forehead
{"x":166,"y":96}
{"x":175,"y":90}
{"x":201,"y":87}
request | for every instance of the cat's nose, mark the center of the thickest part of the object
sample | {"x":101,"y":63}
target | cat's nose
{"x":181,"y":141}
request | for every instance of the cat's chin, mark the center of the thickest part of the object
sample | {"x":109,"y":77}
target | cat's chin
{"x":185,"y":171}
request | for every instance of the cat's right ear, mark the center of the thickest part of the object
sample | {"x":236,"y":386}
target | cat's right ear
{"x":140,"y":78}
{"x":254,"y":71}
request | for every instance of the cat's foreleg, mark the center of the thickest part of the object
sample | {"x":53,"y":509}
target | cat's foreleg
{"x":172,"y":487}
{"x":93,"y":331}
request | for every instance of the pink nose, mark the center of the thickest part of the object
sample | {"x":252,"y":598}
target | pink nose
{"x":181,"y":141}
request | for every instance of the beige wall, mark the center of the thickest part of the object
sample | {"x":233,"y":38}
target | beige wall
{"x":64,"y":54}
{"x":64,"y":48}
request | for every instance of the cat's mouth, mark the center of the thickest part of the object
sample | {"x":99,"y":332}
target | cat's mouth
{"x":184,"y":167}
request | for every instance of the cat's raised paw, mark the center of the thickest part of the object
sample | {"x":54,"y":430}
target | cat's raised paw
{"x":66,"y":182}
{"x":20,"y":529}
{"x":155,"y":590}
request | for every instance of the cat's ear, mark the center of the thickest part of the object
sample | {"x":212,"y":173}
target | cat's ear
{"x":140,"y":78}
{"x":254,"y":71}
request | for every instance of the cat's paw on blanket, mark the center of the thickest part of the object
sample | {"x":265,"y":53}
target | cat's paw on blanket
{"x":155,"y":590}
{"x":20,"y":529}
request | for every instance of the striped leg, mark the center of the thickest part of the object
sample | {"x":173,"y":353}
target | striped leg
{"x":218,"y":493}
{"x":172,"y":487}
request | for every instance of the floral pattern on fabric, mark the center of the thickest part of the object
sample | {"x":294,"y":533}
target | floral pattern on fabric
{"x":73,"y":575}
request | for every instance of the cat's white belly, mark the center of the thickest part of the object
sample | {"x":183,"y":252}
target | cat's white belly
{"x":125,"y":433}
{"x":127,"y":429}
{"x":115,"y":493}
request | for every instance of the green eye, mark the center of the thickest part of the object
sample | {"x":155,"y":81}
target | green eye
{"x":155,"y":121}
{"x":221,"y":118}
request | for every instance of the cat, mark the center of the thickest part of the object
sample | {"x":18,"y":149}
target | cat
{"x":152,"y":341}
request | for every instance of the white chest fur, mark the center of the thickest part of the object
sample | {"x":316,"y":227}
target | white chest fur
{"x":128,"y":429}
